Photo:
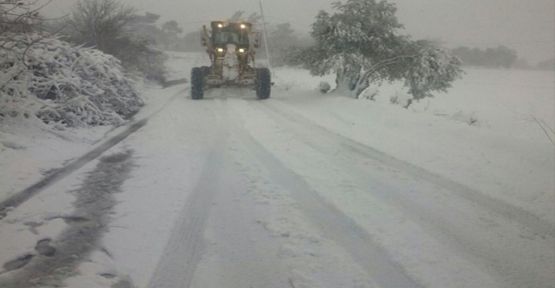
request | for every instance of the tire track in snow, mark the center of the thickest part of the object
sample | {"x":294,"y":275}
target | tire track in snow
{"x":183,"y":252}
{"x":333,"y":223}
{"x":448,"y":224}
{"x":184,"y":248}
{"x":242,"y":253}
{"x":508,"y":211}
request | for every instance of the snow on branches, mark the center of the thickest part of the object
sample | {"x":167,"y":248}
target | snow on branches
{"x":20,"y":15}
{"x":360,"y":42}
{"x":44,"y":78}
{"x":430,"y":69}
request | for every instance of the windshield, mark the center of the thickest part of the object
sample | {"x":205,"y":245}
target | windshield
{"x":233,"y":37}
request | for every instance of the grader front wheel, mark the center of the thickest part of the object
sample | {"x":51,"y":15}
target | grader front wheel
{"x":263,"y":83}
{"x":197,"y":83}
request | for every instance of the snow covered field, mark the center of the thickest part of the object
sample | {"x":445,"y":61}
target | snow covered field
{"x":302,"y":190}
{"x":483,"y":133}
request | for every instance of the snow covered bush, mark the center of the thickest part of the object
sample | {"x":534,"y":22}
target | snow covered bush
{"x":361,"y":44}
{"x":45,"y":78}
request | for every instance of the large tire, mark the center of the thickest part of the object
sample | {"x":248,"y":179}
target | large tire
{"x":263,"y":83}
{"x":197,"y":83}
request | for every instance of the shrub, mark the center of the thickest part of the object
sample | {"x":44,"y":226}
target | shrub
{"x":45,"y":78}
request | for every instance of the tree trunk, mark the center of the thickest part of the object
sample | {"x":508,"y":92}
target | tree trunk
{"x":409,"y":102}
{"x":361,"y":85}
{"x":353,"y":82}
{"x":347,"y":81}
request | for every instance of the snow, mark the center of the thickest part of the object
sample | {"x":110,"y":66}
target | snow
{"x":309,"y":189}
{"x":37,"y":219}
{"x":29,"y":151}
{"x":435,"y":134}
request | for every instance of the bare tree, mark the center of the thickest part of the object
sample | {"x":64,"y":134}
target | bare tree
{"x":108,"y":25}
{"x":18,"y":16}
{"x":97,"y":23}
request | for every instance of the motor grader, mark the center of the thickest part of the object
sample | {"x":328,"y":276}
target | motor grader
{"x":231,"y":49}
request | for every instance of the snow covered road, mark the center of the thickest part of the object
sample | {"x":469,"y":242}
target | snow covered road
{"x":235,"y":192}
{"x":319,"y":196}
{"x":382,"y":212}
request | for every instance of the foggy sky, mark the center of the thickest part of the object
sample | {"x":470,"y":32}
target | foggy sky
{"x":527,"y":26}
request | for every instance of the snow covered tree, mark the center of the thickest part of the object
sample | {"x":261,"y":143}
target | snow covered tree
{"x":350,"y":41}
{"x":171,"y":32}
{"x":360,"y":42}
{"x":172,"y":28}
{"x":144,"y":26}
{"x":429,"y":69}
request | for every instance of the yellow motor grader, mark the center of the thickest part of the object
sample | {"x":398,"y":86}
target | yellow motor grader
{"x":231,"y":48}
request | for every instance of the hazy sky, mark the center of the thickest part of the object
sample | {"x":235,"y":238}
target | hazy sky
{"x":527,"y":26}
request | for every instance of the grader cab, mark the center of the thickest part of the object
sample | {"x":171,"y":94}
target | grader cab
{"x":231,"y":47}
